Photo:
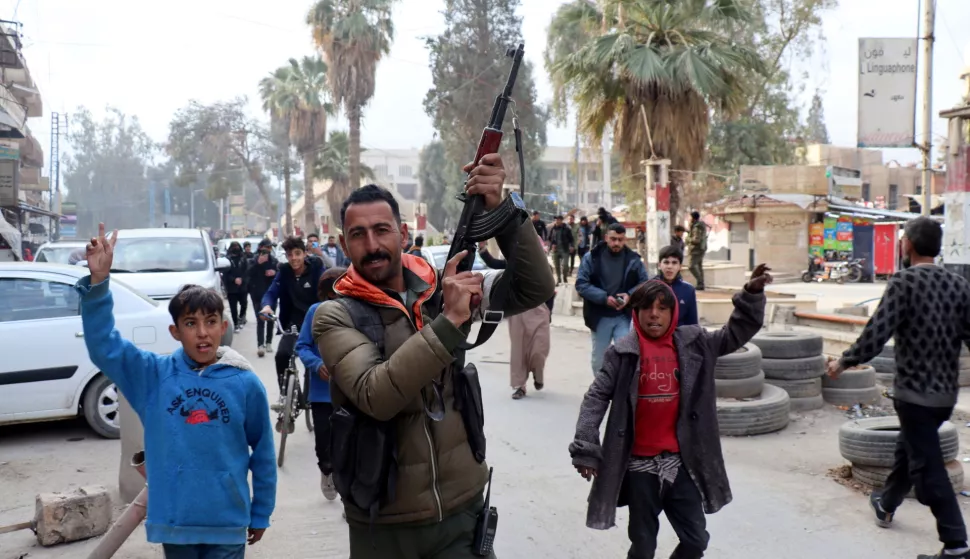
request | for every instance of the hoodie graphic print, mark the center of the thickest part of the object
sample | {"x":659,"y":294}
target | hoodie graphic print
{"x":658,"y":394}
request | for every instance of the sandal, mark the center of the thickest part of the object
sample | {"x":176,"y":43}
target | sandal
{"x":538,"y":385}
{"x":518,"y":394}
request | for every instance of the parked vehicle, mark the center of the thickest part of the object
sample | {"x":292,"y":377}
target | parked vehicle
{"x":158,"y":262}
{"x":437,"y":256}
{"x":58,"y":252}
{"x":45,"y":371}
{"x":843,"y":271}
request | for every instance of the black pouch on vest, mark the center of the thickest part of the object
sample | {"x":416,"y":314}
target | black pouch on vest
{"x":468,"y":402}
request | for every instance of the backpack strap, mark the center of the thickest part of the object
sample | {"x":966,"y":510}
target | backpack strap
{"x":367,"y":320}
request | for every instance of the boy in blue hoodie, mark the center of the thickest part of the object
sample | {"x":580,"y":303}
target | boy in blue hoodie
{"x":203,"y":409}
{"x":320,"y":404}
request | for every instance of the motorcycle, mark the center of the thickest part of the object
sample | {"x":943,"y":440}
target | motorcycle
{"x":844,"y":271}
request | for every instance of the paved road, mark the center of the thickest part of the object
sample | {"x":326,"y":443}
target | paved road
{"x":785,"y":505}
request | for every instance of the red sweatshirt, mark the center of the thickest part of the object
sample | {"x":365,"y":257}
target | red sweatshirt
{"x":655,"y":420}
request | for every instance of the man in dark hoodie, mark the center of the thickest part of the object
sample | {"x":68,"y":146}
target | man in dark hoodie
{"x":671,"y":459}
{"x":670,"y":263}
{"x":607,"y":276}
{"x":234,"y":280}
{"x":262,"y":270}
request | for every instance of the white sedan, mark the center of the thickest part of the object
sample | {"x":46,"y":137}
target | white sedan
{"x":45,"y":371}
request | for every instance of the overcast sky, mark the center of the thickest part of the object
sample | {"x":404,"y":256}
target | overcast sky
{"x":150,"y":59}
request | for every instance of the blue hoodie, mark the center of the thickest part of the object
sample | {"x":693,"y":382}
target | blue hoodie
{"x":310,"y":356}
{"x":686,"y":299}
{"x":200,"y":424}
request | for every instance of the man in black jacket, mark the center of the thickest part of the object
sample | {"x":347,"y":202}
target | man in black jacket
{"x":561,"y":244}
{"x":262,"y":270}
{"x":540,"y":226}
{"x":234,"y":280}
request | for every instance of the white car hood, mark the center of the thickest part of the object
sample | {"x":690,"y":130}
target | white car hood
{"x":164,"y":285}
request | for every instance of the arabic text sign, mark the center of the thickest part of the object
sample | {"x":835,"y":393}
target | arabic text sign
{"x":887,"y":93}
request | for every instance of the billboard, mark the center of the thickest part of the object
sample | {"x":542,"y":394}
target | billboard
{"x":887,"y":93}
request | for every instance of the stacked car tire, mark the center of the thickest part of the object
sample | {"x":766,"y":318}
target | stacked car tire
{"x":870,"y":445}
{"x":885,"y":366}
{"x":746,"y":405}
{"x":793,"y":361}
{"x":854,"y":386}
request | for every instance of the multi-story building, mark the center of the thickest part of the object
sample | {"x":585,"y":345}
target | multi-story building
{"x":396,"y":170}
{"x":581,"y":182}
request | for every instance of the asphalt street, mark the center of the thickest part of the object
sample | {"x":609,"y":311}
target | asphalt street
{"x":785,"y":504}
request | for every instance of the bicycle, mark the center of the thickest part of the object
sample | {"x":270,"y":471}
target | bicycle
{"x":295,"y":399}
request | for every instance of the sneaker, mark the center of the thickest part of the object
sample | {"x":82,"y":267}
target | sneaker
{"x":269,"y":348}
{"x":260,"y":352}
{"x":328,"y":488}
{"x":883,"y":519}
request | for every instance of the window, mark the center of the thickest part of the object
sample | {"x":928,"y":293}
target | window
{"x":593,"y":175}
{"x":35,"y":299}
{"x":549,"y":175}
{"x":408,"y":191}
{"x":159,"y":254}
{"x":592,"y":197}
{"x":919,"y":189}
{"x":404,"y":171}
{"x":571,"y":198}
{"x":866,"y":191}
{"x":893,"y":201}
{"x":380,"y":170}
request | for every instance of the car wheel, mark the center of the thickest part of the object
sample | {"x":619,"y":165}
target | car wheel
{"x":100,"y":405}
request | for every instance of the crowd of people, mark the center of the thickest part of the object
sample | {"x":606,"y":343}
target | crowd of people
{"x":399,"y":413}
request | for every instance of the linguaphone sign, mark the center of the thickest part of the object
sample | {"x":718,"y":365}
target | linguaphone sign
{"x":887,"y":93}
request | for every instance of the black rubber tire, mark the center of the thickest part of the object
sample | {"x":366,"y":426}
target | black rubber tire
{"x":854,"y":275}
{"x":95,"y":392}
{"x":852,"y":396}
{"x":885,"y":379}
{"x":767,"y":414}
{"x":742,"y":364}
{"x":740,"y":388}
{"x":288,"y":404}
{"x":872,"y":441}
{"x":807,"y":388}
{"x":886,"y":365}
{"x":876,"y":477}
{"x":801,"y":368}
{"x":788,"y":345}
{"x":852,"y":378}
{"x":888,"y":351}
{"x":306,"y":400}
{"x":807,"y":404}
{"x":964,"y":379}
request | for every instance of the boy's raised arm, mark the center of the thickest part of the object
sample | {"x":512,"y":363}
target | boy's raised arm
{"x":134,"y":370}
{"x":748,"y":316}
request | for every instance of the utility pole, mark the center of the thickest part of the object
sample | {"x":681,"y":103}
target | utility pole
{"x":54,"y":182}
{"x":929,"y":19}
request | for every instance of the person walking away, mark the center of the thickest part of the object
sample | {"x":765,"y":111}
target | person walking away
{"x":671,"y":461}
{"x":234,"y":280}
{"x":261,"y":271}
{"x":244,"y":304}
{"x":332,"y":250}
{"x":319,"y":396}
{"x":574,"y":229}
{"x":670,"y":264}
{"x":698,"y":247}
{"x":561,"y":245}
{"x":529,"y":334}
{"x":206,"y":418}
{"x":677,"y":239}
{"x":438,"y":480}
{"x":294,"y":288}
{"x":607,"y":276}
{"x":418,"y":245}
{"x":540,"y":226}
{"x":582,"y":239}
{"x":926,"y":310}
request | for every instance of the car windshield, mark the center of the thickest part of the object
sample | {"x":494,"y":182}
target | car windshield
{"x":56,"y":255}
{"x":160,"y":254}
{"x":441,"y":258}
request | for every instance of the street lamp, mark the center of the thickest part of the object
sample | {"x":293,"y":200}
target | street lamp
{"x":192,"y":207}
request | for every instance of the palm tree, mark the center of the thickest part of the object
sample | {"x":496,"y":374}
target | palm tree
{"x":353,"y":35}
{"x":654,"y":70}
{"x":277,"y":102}
{"x":334,"y":165}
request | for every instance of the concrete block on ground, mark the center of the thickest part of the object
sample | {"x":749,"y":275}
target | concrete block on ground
{"x":67,"y":517}
{"x":853,"y":310}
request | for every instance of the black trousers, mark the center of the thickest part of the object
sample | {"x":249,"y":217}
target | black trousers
{"x":283,"y":353}
{"x":264,"y":328}
{"x":321,"y":434}
{"x":235,"y":301}
{"x":919,"y":466}
{"x":244,"y":307}
{"x":680,"y":502}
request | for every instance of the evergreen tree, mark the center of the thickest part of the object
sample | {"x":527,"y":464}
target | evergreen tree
{"x":469,"y":68}
{"x":816,"y":131}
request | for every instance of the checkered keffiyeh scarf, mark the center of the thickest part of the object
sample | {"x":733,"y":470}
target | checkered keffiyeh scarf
{"x":664,"y":466}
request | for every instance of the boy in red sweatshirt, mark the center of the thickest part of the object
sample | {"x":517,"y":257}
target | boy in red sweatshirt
{"x":671,"y":461}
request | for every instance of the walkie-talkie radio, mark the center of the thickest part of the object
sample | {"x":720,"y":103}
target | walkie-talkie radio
{"x":486,"y":525}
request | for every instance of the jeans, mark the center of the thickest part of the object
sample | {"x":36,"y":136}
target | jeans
{"x":235,"y":301}
{"x":680,"y":503}
{"x":204,"y":551}
{"x":607,"y":330}
{"x":264,"y":328}
{"x":321,"y":434}
{"x":283,"y":353}
{"x":919,"y":465}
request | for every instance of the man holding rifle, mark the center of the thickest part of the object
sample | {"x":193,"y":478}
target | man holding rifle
{"x":391,"y":356}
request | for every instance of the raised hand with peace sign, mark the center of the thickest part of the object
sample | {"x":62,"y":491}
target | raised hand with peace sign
{"x":100,"y":253}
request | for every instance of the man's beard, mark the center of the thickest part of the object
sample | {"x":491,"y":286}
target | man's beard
{"x":906,"y":262}
{"x":378,"y":277}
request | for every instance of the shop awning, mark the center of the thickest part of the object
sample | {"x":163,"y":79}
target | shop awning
{"x":27,"y":208}
{"x":874,"y":212}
